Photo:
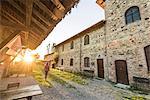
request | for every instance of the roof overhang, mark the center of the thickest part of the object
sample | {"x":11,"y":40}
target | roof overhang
{"x":33,"y":20}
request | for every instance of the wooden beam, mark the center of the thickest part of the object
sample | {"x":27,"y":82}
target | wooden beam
{"x":41,"y":17}
{"x":5,"y":13}
{"x":39,"y":33}
{"x":26,"y":39}
{"x":60,"y":14}
{"x":29,"y":6}
{"x":35,"y":36}
{"x":12,"y":25}
{"x":58,"y":5}
{"x":14,"y":4}
{"x":16,"y":25}
{"x":50,"y":29}
{"x":6,"y":21}
{"x":11,"y":36}
{"x":33,"y":46}
{"x":44,"y":8}
{"x":39,"y":24}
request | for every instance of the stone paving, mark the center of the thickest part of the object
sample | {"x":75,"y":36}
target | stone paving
{"x":94,"y":90}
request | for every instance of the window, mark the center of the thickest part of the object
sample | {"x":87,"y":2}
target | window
{"x":62,"y":47}
{"x":62,"y":61}
{"x":71,"y":62}
{"x":86,"y":40}
{"x":147,"y":55}
{"x":86,"y":62}
{"x":132,"y":15}
{"x":72,"y":45}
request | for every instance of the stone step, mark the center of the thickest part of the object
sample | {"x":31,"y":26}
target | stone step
{"x":122,"y":86}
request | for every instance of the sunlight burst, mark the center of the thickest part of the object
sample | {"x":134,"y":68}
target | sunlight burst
{"x":28,"y":57}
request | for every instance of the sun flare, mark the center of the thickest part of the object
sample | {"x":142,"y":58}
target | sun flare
{"x":28,"y":57}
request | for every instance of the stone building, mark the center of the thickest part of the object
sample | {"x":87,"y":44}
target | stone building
{"x":128,"y":40}
{"x":80,"y":52}
{"x":118,"y":49}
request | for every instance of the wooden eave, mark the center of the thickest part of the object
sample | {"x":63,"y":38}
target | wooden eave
{"x":34,"y":19}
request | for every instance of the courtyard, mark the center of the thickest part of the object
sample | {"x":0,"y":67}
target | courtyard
{"x":62,"y":85}
{"x":95,"y":49}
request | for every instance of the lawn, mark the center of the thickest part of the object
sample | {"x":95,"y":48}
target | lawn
{"x":58,"y":76}
{"x":75,"y":77}
{"x":39,"y":75}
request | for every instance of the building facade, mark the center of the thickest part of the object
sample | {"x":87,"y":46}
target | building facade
{"x":128,"y":39}
{"x":79,"y":52}
{"x":117,"y":49}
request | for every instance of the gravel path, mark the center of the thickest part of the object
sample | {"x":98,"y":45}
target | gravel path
{"x":95,"y":90}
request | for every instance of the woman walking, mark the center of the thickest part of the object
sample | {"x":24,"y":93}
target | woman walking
{"x":46,"y":68}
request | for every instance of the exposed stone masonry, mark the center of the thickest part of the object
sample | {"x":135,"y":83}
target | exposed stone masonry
{"x":112,"y":41}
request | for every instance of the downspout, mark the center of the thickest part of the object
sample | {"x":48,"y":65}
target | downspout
{"x":80,"y":52}
{"x":106,"y":52}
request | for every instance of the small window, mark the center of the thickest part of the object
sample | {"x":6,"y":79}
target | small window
{"x":62,"y":47}
{"x":71,"y":62}
{"x":62,"y":61}
{"x":132,"y":15}
{"x":86,"y":40}
{"x":72,"y":45}
{"x":86,"y":62}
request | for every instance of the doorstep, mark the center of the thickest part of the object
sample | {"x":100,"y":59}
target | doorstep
{"x":122,"y":86}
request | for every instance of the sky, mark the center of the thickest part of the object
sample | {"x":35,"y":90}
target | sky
{"x":86,"y":14}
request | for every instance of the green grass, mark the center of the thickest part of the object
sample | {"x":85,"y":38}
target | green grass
{"x":58,"y":76}
{"x":57,"y":79}
{"x":39,"y":76}
{"x":75,"y":77}
{"x":134,"y":98}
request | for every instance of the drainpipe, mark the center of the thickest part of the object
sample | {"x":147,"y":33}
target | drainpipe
{"x":106,"y":53}
{"x":107,"y":69}
{"x":80,"y":52}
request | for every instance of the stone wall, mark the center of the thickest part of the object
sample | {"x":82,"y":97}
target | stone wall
{"x":94,"y":50}
{"x":127,"y":42}
{"x":114,"y":41}
{"x":68,"y":53}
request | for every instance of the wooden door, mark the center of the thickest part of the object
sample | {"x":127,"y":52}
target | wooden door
{"x":100,"y":68}
{"x":121,"y":72}
{"x":147,"y":54}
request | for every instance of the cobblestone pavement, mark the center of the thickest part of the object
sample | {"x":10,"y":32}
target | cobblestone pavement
{"x":95,"y":90}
